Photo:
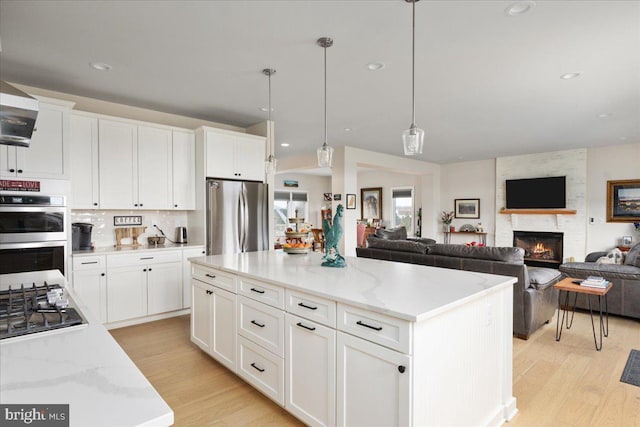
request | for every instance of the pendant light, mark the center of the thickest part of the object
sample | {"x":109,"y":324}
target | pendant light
{"x":413,"y":138}
{"x":271,"y":163}
{"x":325,"y":153}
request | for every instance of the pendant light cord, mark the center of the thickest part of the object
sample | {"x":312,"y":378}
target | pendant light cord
{"x":413,"y":67}
{"x":325,"y":95}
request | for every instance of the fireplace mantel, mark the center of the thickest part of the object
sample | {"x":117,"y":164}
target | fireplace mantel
{"x":539,"y":211}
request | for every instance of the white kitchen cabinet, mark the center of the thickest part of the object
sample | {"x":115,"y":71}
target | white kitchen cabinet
{"x":310,"y":371}
{"x":184,"y":160}
{"x":373,"y":384}
{"x":118,"y":159}
{"x":126,"y":293}
{"x":48,"y":153}
{"x":90,"y":284}
{"x":154,"y":169}
{"x":85,"y":189}
{"x":213,"y":322}
{"x":143,"y":284}
{"x":234,"y":155}
{"x":187,"y":253}
{"x":164,"y":287}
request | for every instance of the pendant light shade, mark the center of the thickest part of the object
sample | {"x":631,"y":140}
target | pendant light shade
{"x":271,"y":163}
{"x":325,"y":153}
{"x":413,"y":138}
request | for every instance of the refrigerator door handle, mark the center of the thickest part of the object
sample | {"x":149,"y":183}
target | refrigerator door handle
{"x":245,"y":219}
{"x":240,"y":223}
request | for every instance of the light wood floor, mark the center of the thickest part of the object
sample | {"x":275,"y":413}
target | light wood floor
{"x":566,"y":383}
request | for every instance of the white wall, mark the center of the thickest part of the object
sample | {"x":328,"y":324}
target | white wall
{"x":469,"y":180}
{"x":608,"y":164}
{"x":314,"y":185}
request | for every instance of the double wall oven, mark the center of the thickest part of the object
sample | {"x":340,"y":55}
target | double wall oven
{"x":32,"y":233}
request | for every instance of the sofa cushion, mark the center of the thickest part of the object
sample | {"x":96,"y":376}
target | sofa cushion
{"x":397,"y":233}
{"x":608,"y":271}
{"x":541,"y":278}
{"x":423,"y":240}
{"x":396,"y":245}
{"x":504,"y":254}
{"x":633,"y":257}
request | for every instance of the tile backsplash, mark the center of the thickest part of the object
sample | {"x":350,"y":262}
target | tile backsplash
{"x":103,"y":234}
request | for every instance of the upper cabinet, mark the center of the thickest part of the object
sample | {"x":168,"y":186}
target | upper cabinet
{"x":122,"y":164}
{"x":47,"y":156}
{"x":234,"y":155}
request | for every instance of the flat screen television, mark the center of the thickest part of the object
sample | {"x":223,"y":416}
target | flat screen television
{"x":536,"y":193}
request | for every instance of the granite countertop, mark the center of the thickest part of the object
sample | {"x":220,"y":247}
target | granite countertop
{"x":106,"y":250}
{"x":407,"y":291}
{"x":83,"y":367}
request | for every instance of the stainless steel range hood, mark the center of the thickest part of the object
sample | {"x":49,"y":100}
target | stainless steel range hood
{"x":18,"y":112}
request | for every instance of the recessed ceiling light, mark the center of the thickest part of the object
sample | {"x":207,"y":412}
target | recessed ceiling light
{"x":569,"y":76}
{"x":347,"y":129}
{"x":605,"y":115}
{"x":284,"y":144}
{"x":373,"y":66}
{"x":520,"y":8}
{"x":100,"y":66}
{"x":265,"y":109}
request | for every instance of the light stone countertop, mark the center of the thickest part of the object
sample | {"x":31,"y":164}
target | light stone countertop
{"x":407,"y":291}
{"x":110,"y":250}
{"x":83,"y":367}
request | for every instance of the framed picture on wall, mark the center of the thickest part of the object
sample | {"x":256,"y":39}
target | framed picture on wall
{"x":351,"y":201}
{"x":371,"y":203}
{"x":623,"y":200}
{"x":467,"y":208}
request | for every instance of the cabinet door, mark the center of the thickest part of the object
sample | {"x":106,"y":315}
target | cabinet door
{"x":126,"y":293}
{"x":220,"y":151}
{"x":310,"y":366}
{"x":249,"y":158}
{"x":371,"y":388}
{"x":8,"y":167}
{"x":45,"y":156}
{"x":91,"y":288}
{"x":84,"y":163}
{"x":223,"y":338}
{"x":184,"y":177}
{"x":186,"y":273}
{"x":154,"y":168}
{"x":164,"y":287}
{"x":201,"y":315}
{"x":118,"y":159}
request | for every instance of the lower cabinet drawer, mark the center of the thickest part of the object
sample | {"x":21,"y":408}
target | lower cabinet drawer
{"x":261,"y":324}
{"x":214,"y":277}
{"x":262,"y":369}
{"x":381,"y":329}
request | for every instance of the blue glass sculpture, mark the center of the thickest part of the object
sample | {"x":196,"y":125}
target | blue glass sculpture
{"x":332,"y":236}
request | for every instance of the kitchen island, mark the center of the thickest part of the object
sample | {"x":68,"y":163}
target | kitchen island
{"x":375,"y":343}
{"x":81,"y":366}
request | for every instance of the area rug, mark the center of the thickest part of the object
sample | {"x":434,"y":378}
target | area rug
{"x":631,"y":373}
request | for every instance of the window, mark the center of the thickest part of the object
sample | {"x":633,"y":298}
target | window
{"x":402,"y":208}
{"x":288,"y":204}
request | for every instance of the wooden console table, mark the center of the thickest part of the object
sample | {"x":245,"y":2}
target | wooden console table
{"x":482,"y":238}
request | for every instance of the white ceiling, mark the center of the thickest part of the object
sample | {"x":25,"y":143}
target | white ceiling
{"x":487,"y":84}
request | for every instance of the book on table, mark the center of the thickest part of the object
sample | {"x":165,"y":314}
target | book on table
{"x":595,"y":282}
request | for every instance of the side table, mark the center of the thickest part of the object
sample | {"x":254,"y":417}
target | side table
{"x":568,"y":286}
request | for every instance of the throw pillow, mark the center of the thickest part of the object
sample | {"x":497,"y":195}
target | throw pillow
{"x":398,"y":233}
{"x":633,"y":256}
{"x":614,"y":256}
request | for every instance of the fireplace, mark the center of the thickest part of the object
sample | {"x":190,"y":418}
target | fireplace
{"x":541,"y":249}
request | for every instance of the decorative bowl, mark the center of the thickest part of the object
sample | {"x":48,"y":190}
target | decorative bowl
{"x":156,"y":240}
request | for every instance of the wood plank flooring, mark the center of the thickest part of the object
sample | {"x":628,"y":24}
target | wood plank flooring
{"x":566,"y":383}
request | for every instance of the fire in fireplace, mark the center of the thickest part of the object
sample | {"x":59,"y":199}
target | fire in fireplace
{"x":540,"y":248}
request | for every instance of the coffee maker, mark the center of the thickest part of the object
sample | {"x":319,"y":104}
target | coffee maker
{"x":81,"y":236}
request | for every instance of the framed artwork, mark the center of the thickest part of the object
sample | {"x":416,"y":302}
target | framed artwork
{"x":328,"y":197}
{"x":623,"y":200}
{"x":371,"y":203}
{"x":467,"y":208}
{"x":351,"y":201}
{"x":290,"y":183}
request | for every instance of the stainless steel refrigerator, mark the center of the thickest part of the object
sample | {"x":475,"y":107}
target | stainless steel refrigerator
{"x":237,"y":216}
